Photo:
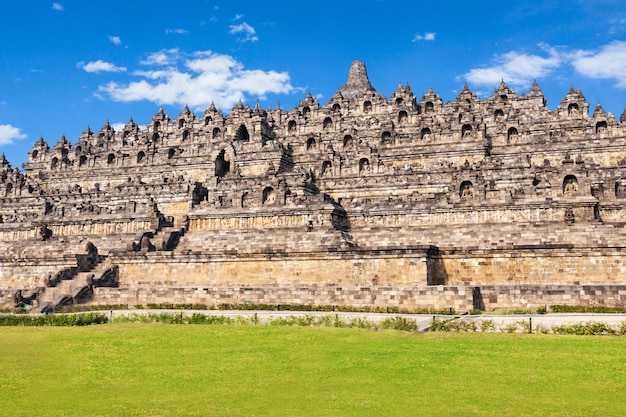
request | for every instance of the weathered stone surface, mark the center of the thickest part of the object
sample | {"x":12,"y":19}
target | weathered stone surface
{"x":363,"y":192}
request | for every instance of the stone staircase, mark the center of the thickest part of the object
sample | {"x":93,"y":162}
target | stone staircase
{"x":75,"y":287}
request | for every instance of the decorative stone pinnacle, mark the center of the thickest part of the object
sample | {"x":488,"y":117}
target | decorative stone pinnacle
{"x":358,"y":81}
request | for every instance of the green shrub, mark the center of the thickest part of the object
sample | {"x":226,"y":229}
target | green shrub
{"x":487,"y":325}
{"x":54,"y":320}
{"x":583,"y":329}
{"x":399,"y":323}
{"x":586,"y":309}
{"x":525,"y":325}
{"x":509,"y":328}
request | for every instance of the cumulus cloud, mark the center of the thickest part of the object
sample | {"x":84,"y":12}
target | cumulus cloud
{"x":197,"y":79}
{"x":516,"y":68}
{"x":100,"y":66}
{"x":115,"y":40}
{"x":57,"y":6}
{"x":607,"y":63}
{"x":9,"y":134}
{"x":176,"y":31}
{"x":163,"y":57}
{"x":429,"y":36}
{"x":246,"y":32}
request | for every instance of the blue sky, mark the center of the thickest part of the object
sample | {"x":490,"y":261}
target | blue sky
{"x":69,"y":64}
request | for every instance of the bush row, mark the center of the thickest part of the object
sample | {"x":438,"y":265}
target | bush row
{"x":53,"y":320}
{"x":586,"y":309}
{"x":526,"y":326}
{"x":295,"y":307}
{"x":331,"y":320}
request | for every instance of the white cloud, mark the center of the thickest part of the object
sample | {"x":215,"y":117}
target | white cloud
{"x":515,"y":68}
{"x":176,"y":31}
{"x":430,"y":36}
{"x":163,"y":57}
{"x":197,"y":80}
{"x":100,"y":66}
{"x":9,"y":134}
{"x":115,"y":40}
{"x":57,"y":6}
{"x":238,"y":17}
{"x":247,"y":31}
{"x":608,"y":63}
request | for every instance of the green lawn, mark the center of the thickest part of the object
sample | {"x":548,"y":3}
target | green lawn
{"x":246,"y":370}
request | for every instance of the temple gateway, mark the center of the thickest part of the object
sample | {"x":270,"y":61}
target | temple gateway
{"x":404,"y":201}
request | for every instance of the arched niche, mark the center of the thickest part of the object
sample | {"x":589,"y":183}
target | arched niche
{"x":511,"y":134}
{"x":110,"y":159}
{"x":570,"y":185}
{"x":181,"y":123}
{"x":403,"y":117}
{"x":385,"y":138}
{"x":336,"y":108}
{"x":242,"y":134}
{"x":82,"y":161}
{"x":268,"y":197}
{"x":348,"y":142}
{"x":222,"y":164}
{"x":156,"y":126}
{"x":141,"y":156}
{"x":185,"y":135}
{"x":311,"y":144}
{"x":54,"y":163}
{"x":620,"y":188}
{"x":364,"y":165}
{"x":573,"y":109}
{"x":425,"y":133}
{"x":466,"y":190}
{"x":216,"y":133}
{"x":328,"y":123}
{"x":466,"y":131}
{"x":498,"y":115}
{"x":207,"y":120}
{"x":367,"y":106}
{"x":601,"y":127}
{"x":306,"y":110}
{"x":326,"y":167}
{"x":291,"y":127}
{"x":399,"y":101}
{"x":34,"y":154}
{"x":171,"y":152}
{"x":429,"y":107}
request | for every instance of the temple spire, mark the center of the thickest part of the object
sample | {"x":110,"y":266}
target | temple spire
{"x":358,"y":81}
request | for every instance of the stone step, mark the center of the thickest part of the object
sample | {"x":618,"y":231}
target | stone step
{"x":53,"y":295}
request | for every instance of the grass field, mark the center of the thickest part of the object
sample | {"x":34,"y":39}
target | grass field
{"x":245,"y":370}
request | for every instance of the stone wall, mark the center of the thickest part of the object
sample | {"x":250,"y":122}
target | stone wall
{"x":535,"y":265}
{"x":435,"y":298}
{"x":423,"y":297}
{"x":274,"y":270}
{"x":490,"y":297}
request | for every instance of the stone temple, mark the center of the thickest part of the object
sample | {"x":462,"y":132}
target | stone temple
{"x":404,"y":201}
